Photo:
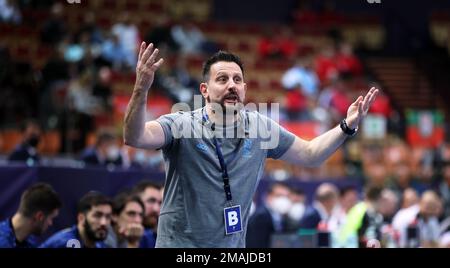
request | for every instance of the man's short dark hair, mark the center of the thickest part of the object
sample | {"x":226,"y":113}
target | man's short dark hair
{"x":122,"y":199}
{"x":92,"y":199}
{"x":274,"y":185}
{"x":144,"y":184}
{"x":347,"y":189}
{"x":373,"y":193}
{"x":104,"y":137}
{"x":220,"y":56}
{"x":39,"y":197}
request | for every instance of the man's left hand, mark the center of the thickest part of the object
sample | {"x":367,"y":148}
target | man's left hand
{"x":358,"y":110}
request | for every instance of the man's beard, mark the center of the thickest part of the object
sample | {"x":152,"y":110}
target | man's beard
{"x":150,"y":221}
{"x":92,"y":235}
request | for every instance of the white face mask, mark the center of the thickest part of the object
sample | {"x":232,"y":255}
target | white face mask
{"x":112,"y":153}
{"x":296,"y":211}
{"x":281,"y":205}
{"x":140,"y":157}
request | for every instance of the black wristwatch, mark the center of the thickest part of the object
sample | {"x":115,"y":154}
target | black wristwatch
{"x":349,"y":131}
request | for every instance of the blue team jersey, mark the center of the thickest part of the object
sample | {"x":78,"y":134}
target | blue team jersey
{"x":148,"y":239}
{"x":8,"y":237}
{"x":67,"y":238}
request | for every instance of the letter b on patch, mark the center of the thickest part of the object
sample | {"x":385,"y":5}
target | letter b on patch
{"x":233,"y":223}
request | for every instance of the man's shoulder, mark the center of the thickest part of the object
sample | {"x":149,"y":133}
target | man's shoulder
{"x":181,"y":115}
{"x":60,"y":238}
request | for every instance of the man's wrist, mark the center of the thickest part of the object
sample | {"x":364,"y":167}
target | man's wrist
{"x":346,"y":129}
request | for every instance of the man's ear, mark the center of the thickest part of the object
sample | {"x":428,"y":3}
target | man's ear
{"x":39,"y":216}
{"x":81,"y":217}
{"x":204,"y":90}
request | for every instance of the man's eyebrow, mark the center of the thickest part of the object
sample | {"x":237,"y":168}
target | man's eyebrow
{"x":225,"y":73}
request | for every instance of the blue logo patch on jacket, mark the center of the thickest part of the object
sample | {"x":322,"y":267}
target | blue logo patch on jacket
{"x":202,"y":147}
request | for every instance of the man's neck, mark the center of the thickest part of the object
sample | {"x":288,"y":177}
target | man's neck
{"x":21,"y":227}
{"x":222,"y":117}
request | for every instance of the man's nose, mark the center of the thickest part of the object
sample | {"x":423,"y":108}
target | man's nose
{"x":104,"y":221}
{"x":231,"y":86}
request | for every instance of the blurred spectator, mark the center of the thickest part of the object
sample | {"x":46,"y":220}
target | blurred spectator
{"x":129,"y":39}
{"x":424,"y":218}
{"x":269,"y":217}
{"x":102,"y":89}
{"x":93,"y":220}
{"x":335,"y":97}
{"x":389,"y":204}
{"x":348,"y":197}
{"x":401,"y":178}
{"x":347,"y":62}
{"x":409,"y":198}
{"x":363,"y":220}
{"x":10,"y":12}
{"x":90,"y":29}
{"x":151,"y":195}
{"x":127,"y":230}
{"x":444,"y":189}
{"x":191,"y":40}
{"x":178,"y":83}
{"x":302,"y":74}
{"x":113,"y":52}
{"x":39,"y":205}
{"x":325,"y":64}
{"x":160,"y":35}
{"x":326,"y":199}
{"x":277,"y":45}
{"x":143,"y":159}
{"x":27,"y":150}
{"x":382,"y":106}
{"x":105,"y":152}
{"x":297,"y":210}
{"x":82,"y":108}
{"x":55,"y":28}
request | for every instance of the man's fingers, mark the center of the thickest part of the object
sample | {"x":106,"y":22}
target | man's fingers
{"x":158,"y":63}
{"x":147,"y":53}
{"x":370,"y":97}
{"x":373,"y":96}
{"x":141,"y":50}
{"x":357,"y":100}
{"x":360,"y":107}
{"x":152,"y":57}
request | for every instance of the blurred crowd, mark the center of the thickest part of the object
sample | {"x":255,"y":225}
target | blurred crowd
{"x":345,"y":217}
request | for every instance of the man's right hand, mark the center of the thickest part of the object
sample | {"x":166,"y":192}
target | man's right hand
{"x":147,"y":66}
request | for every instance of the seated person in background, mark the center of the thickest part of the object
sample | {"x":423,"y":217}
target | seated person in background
{"x":104,"y":152}
{"x":127,"y":230}
{"x":39,"y":205}
{"x":151,"y":195}
{"x":94,"y":218}
{"x":27,"y":150}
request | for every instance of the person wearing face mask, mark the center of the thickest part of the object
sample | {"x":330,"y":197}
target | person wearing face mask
{"x":104,"y":152}
{"x":27,"y":150}
{"x":295,"y":213}
{"x":270,"y":217}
